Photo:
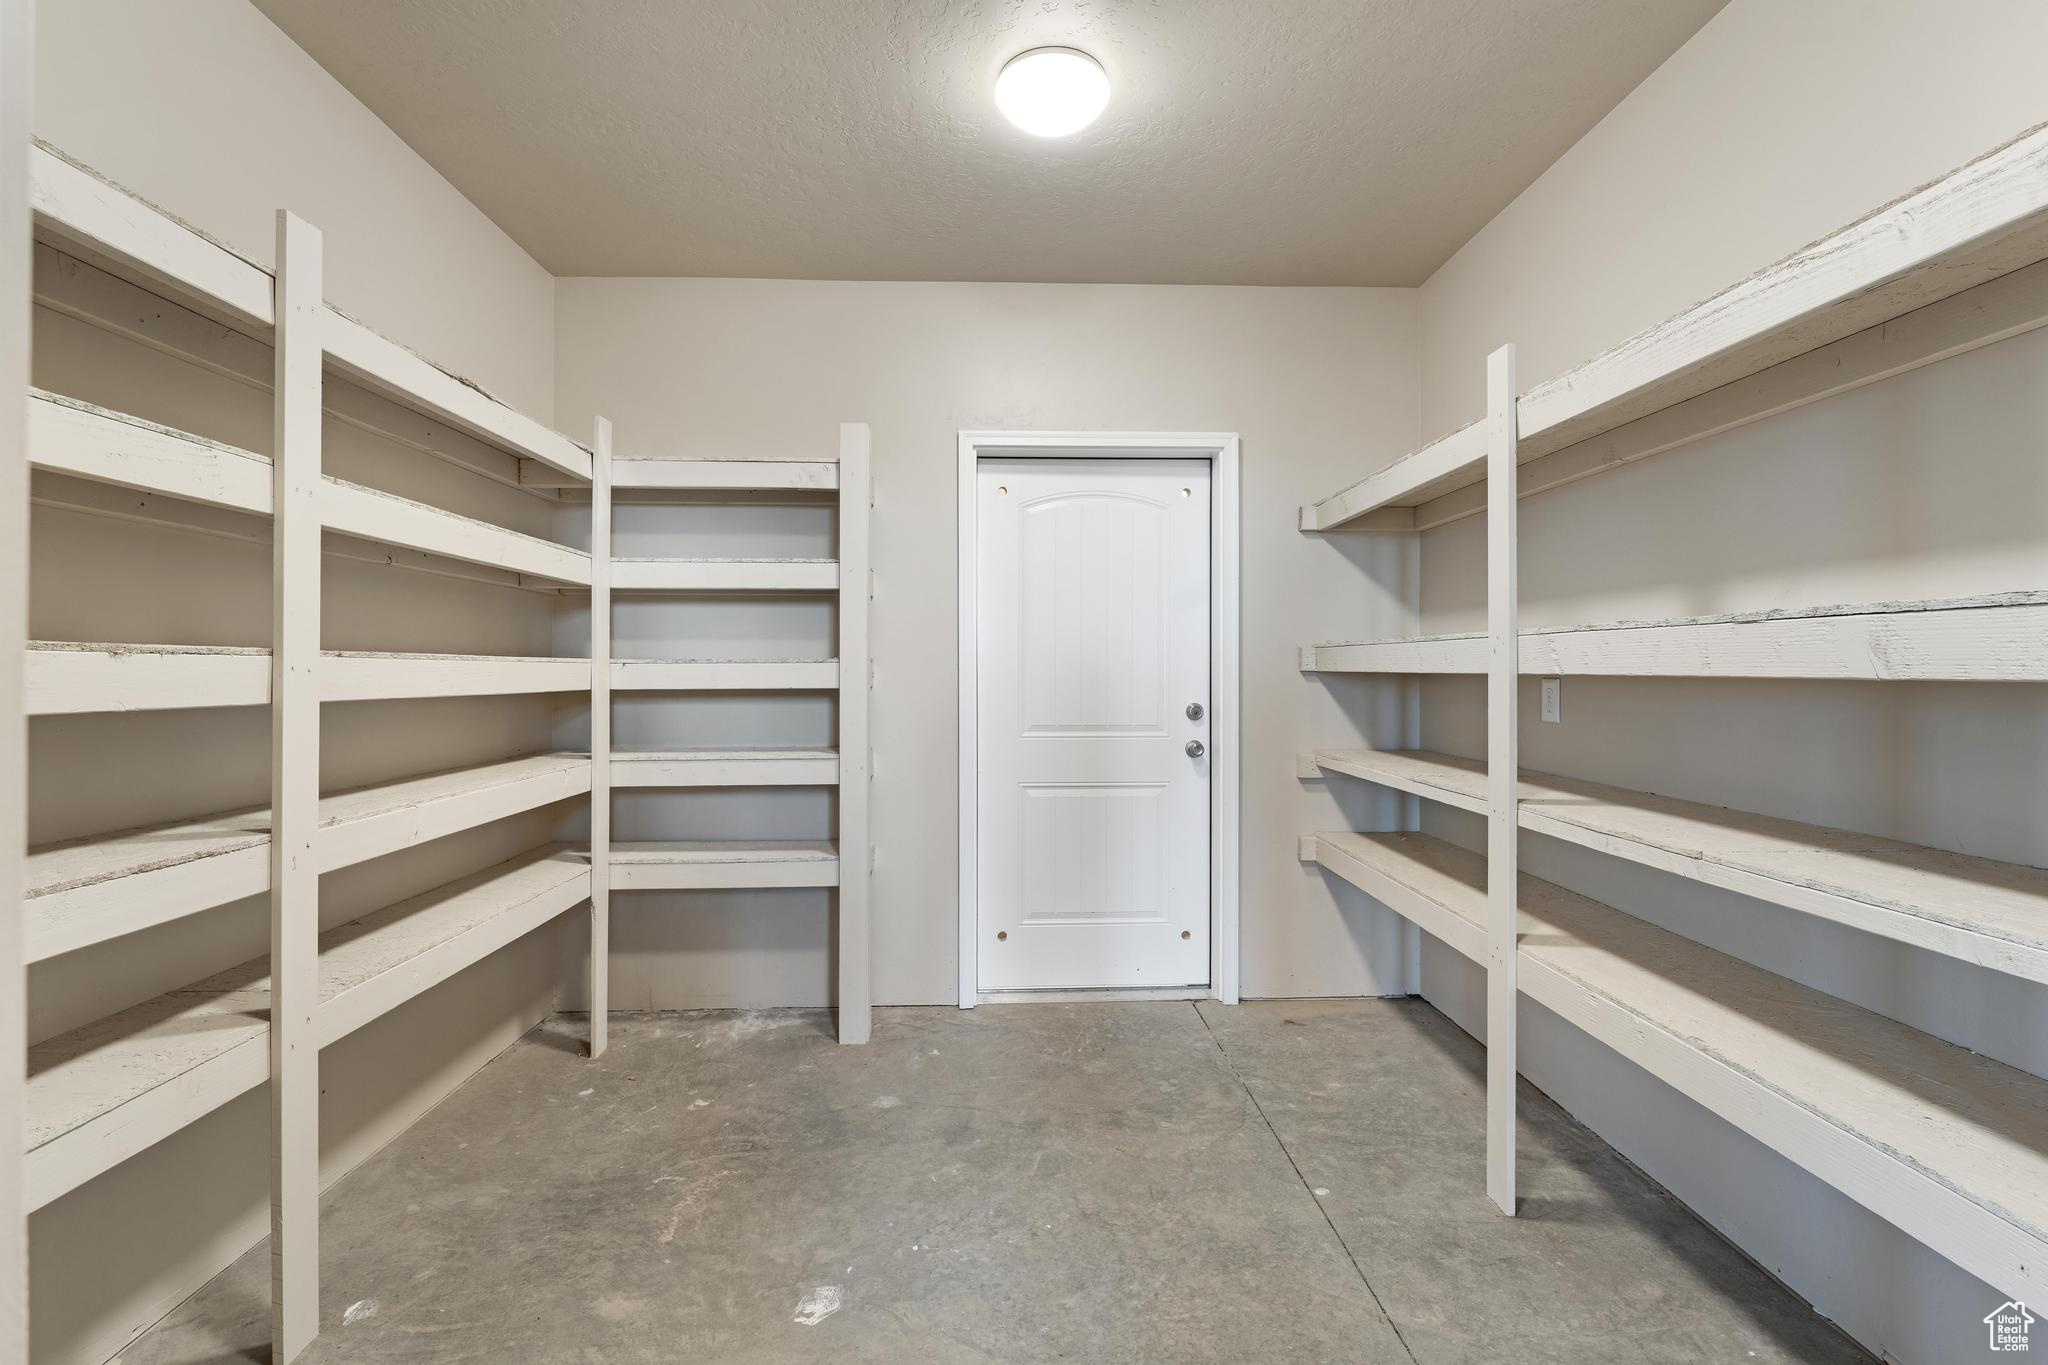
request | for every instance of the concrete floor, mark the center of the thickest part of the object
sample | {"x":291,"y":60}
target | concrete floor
{"x":1280,"y":1182}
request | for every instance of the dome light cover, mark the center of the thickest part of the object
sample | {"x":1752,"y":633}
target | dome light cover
{"x":1052,"y":91}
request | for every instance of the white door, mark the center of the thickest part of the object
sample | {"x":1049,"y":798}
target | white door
{"x":1093,"y":667}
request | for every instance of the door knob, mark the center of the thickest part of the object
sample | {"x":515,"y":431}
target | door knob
{"x":1195,"y":749}
{"x":1195,"y":710}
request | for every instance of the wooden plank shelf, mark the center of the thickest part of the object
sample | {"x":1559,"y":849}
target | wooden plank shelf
{"x":1993,"y":638}
{"x":708,"y":475}
{"x":72,"y":678}
{"x":1990,"y":913}
{"x":1982,"y":221}
{"x":82,"y":210}
{"x":731,"y":864}
{"x":725,"y":575}
{"x":1949,"y":1146}
{"x":725,"y":767}
{"x":70,"y":437}
{"x":85,"y":891}
{"x":103,"y":1092}
{"x":724,"y":675}
{"x":408,"y":378}
{"x":352,"y":510}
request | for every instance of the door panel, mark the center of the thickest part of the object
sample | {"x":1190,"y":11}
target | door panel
{"x":1093,"y":640}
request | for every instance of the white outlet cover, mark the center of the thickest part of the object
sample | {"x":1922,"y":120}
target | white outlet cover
{"x":1553,"y":700}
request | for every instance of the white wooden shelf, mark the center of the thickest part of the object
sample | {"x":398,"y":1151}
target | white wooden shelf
{"x":107,"y":1090}
{"x":353,"y":510}
{"x":85,"y":891}
{"x":103,"y":1092}
{"x":725,"y":575}
{"x":724,"y":675}
{"x":71,"y":678}
{"x":1990,"y":913}
{"x":1979,"y":222}
{"x":706,"y":475}
{"x":2000,"y":638}
{"x":384,"y":366}
{"x":70,"y":437}
{"x":732,"y":864}
{"x":725,"y":767}
{"x":1949,"y":1146}
{"x":84,"y":211}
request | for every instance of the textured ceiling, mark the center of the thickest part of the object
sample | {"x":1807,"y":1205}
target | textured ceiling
{"x":1248,"y":141}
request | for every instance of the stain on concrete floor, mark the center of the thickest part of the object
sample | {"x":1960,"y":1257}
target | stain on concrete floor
{"x":1274,"y":1182}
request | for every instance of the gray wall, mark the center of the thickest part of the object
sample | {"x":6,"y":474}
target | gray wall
{"x":1775,"y":125}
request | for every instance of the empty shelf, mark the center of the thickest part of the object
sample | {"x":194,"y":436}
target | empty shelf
{"x":70,"y":437}
{"x":724,"y":767}
{"x":70,"y":678}
{"x":368,"y":514}
{"x":67,"y":436}
{"x":1990,"y":913}
{"x":101,"y":1093}
{"x":1949,"y":1146}
{"x":108,"y":223}
{"x":383,"y":365}
{"x":85,"y":891}
{"x":347,"y":675}
{"x":739,"y":475}
{"x":723,"y":864}
{"x":725,"y":575}
{"x":1998,"y":638}
{"x":1979,"y":222}
{"x":733,"y":675}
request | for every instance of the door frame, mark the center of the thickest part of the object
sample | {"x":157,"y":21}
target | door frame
{"x":1226,"y":796}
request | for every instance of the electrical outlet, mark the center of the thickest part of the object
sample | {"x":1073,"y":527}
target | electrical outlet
{"x":1553,"y":700}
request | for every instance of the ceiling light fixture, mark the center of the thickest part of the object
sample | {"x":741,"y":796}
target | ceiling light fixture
{"x":1052,"y":91}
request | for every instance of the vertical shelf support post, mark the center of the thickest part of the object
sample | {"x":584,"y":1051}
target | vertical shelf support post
{"x":295,"y":794}
{"x":1503,"y":766}
{"x":600,"y":734}
{"x":17,"y":63}
{"x":855,"y":859}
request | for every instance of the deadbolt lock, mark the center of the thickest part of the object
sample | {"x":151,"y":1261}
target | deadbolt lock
{"x":1195,"y":711}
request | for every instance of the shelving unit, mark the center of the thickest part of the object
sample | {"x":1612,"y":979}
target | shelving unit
{"x":1947,"y":1145}
{"x":1950,"y":1146}
{"x":17,"y":65}
{"x":86,"y":891}
{"x":1980,"y":222}
{"x":101,"y":1093}
{"x":701,"y":865}
{"x":112,"y":1087}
